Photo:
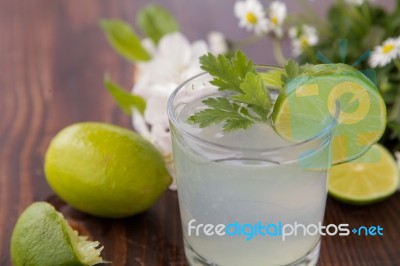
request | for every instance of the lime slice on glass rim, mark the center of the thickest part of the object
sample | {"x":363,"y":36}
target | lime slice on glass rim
{"x":42,"y":237}
{"x":371,"y":177}
{"x":324,"y":93}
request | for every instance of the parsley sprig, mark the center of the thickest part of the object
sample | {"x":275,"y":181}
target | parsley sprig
{"x":247,"y":101}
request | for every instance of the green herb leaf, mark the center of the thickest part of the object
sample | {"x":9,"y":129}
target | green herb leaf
{"x":292,"y":71}
{"x":254,"y":92}
{"x":273,"y":78}
{"x":156,"y":21}
{"x":254,"y":95}
{"x":235,"y":124}
{"x":228,"y":73}
{"x":124,"y":40}
{"x":125,"y":100}
{"x":248,"y":101}
{"x":222,"y":111}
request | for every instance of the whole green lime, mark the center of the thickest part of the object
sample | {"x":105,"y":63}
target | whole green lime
{"x":42,"y":237}
{"x":105,"y":170}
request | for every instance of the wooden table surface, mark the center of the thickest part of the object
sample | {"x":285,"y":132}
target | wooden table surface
{"x":52,"y":60}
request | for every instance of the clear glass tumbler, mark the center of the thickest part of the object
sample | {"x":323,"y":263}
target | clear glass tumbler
{"x":238,"y":191}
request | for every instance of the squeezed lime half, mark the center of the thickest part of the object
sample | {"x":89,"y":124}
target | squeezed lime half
{"x":42,"y":237}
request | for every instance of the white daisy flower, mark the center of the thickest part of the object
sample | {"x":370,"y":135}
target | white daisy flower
{"x":303,"y":37}
{"x":355,"y":2}
{"x":385,"y":53}
{"x":173,"y":61}
{"x":217,"y":42}
{"x":251,"y":16}
{"x":277,"y":14}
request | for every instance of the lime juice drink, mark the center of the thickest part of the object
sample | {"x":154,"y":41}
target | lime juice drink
{"x":247,"y":177}
{"x":252,"y":183}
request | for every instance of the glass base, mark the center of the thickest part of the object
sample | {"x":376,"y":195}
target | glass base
{"x":194,"y":259}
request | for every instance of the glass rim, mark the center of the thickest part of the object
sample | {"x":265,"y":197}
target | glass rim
{"x":173,"y":119}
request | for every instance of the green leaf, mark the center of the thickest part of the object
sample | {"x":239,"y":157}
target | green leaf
{"x":248,"y":101}
{"x":227,"y":74}
{"x":273,"y":78}
{"x":125,"y":100}
{"x":254,"y":92}
{"x":292,"y":70}
{"x":235,"y":124}
{"x":255,"y":95}
{"x":156,"y":21}
{"x":124,"y":40}
{"x":222,"y":110}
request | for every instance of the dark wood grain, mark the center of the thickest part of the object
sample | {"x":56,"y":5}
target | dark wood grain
{"x":52,"y":60}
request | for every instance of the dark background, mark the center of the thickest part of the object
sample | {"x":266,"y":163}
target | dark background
{"x":52,"y":60}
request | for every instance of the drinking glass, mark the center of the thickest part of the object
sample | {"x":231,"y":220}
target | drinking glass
{"x":238,"y":190}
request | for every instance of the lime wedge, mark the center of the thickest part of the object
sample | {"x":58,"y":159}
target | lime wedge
{"x":42,"y":237}
{"x":311,"y":101}
{"x":369,"y":178}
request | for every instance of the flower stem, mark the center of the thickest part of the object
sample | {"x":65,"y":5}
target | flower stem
{"x":394,"y":113}
{"x":311,"y":55}
{"x":357,"y":15}
{"x":279,"y":57}
{"x":367,"y":13}
{"x":247,"y":41}
{"x":397,"y":64}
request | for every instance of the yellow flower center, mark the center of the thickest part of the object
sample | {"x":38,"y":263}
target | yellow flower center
{"x":387,"y":48}
{"x":251,"y":18}
{"x":274,"y":20}
{"x":303,"y":42}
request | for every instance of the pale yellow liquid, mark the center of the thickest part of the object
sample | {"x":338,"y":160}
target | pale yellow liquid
{"x":217,"y":188}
